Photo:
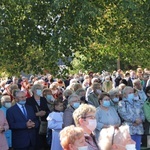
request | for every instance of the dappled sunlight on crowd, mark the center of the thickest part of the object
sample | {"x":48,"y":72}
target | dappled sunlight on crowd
{"x":84,"y":111}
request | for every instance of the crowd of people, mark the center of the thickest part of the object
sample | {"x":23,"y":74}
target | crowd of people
{"x":93,"y":111}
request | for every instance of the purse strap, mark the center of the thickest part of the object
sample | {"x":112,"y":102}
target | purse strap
{"x":38,"y":111}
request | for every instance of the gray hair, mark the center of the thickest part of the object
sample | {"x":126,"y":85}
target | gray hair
{"x":35,"y":86}
{"x":72,"y":97}
{"x":135,"y":81}
{"x":113,"y":91}
{"x":67,"y":92}
{"x":126,"y":89}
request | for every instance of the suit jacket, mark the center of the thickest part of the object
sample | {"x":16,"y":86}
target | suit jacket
{"x":21,"y":135}
{"x":43,"y":106}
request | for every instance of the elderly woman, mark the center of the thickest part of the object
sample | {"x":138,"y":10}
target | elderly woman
{"x":106,"y":115}
{"x":84,"y":117}
{"x":114,"y":96}
{"x":131,"y":111}
{"x":3,"y":127}
{"x":73,"y":103}
{"x":39,"y":105}
{"x":116,"y":139}
{"x":6,"y":103}
{"x":72,"y":138}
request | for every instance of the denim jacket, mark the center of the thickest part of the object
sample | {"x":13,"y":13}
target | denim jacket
{"x":129,"y":112}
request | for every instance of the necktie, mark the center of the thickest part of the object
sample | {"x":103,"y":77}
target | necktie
{"x":24,"y":111}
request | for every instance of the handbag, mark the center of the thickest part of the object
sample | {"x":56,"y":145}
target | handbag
{"x":43,"y":128}
{"x":43,"y":125}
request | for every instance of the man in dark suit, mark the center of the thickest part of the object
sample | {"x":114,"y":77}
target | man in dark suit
{"x":23,"y":123}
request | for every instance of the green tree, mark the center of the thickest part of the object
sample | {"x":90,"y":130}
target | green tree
{"x":36,"y":34}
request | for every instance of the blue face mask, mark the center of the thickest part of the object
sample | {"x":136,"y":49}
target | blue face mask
{"x":76,"y":105}
{"x":106,"y":103}
{"x":116,"y":99}
{"x":39,"y":92}
{"x":130,"y":97}
{"x":22,"y":102}
{"x":49,"y":97}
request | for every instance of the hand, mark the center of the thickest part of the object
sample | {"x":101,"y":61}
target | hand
{"x":30,"y":124}
{"x":41,"y":113}
{"x":137,"y":122}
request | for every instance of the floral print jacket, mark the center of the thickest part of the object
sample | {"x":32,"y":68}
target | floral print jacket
{"x":129,"y":112}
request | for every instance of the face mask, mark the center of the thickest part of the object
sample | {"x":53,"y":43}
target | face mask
{"x":76,"y":105}
{"x":130,"y":147}
{"x":106,"y":103}
{"x":98,"y":91}
{"x":39,"y":92}
{"x":92,"y":124}
{"x":50,"y":98}
{"x":130,"y":97}
{"x":83,"y":148}
{"x":7,"y":104}
{"x":22,"y":102}
{"x":115,"y":99}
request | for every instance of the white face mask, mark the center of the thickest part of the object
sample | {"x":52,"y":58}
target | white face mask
{"x":130,"y":147}
{"x":83,"y":148}
{"x":91,"y":124}
{"x":7,"y":104}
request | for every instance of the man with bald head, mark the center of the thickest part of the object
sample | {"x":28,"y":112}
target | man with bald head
{"x":23,"y":122}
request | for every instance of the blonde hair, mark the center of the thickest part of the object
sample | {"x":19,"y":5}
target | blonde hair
{"x":4,"y":97}
{"x":81,"y":112}
{"x":69,"y":135}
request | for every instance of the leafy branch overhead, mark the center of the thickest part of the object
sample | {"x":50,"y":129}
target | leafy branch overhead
{"x":88,"y":35}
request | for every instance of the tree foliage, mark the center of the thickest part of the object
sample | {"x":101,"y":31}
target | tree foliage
{"x":37,"y":34}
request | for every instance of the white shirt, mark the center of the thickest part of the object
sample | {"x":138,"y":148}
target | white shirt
{"x":21,"y":108}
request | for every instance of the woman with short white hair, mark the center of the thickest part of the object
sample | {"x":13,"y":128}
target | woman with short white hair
{"x":73,"y":103}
